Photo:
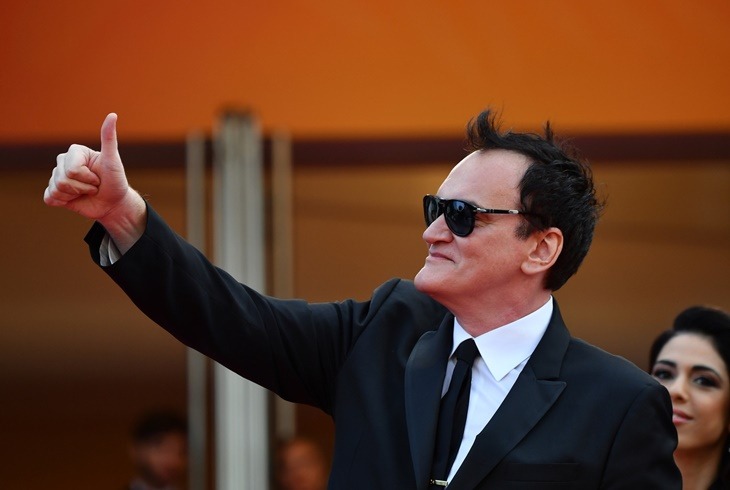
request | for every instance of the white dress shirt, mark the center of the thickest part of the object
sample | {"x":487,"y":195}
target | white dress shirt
{"x":503,"y":352}
{"x":108,"y":251}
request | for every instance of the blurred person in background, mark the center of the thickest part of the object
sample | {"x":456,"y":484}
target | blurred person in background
{"x":301,"y":465}
{"x":692,"y":360}
{"x":158,"y":451}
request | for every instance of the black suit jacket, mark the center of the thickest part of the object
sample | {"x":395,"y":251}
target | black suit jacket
{"x":576,"y":418}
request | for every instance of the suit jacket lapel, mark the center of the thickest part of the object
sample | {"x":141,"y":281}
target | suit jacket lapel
{"x":424,"y":379}
{"x":535,"y":391}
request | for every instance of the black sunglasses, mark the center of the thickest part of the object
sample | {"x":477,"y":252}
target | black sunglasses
{"x":460,"y":215}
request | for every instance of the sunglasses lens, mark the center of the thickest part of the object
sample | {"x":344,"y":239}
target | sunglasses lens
{"x":430,"y":209}
{"x":459,"y":214}
{"x":459,"y":217}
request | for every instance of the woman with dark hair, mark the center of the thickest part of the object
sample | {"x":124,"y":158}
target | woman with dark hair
{"x":692,"y":360}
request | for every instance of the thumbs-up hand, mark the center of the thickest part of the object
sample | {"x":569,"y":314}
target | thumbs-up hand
{"x":93,"y":184}
{"x":87,"y":181}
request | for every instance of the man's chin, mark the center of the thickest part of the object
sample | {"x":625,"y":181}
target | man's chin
{"x":424,"y":283}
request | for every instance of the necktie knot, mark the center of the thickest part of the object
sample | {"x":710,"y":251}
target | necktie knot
{"x":467,"y":351}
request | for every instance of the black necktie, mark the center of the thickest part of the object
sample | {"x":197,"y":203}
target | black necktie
{"x":452,"y":414}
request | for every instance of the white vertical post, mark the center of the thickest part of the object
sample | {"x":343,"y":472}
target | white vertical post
{"x":283,"y":255}
{"x":240,"y":406}
{"x":197,"y":363}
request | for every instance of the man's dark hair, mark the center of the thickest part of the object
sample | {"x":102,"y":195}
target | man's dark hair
{"x":154,"y":425}
{"x":557,"y":190}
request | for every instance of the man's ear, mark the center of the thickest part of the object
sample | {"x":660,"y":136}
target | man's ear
{"x":546,"y":248}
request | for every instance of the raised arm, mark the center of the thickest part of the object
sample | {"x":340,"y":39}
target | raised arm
{"x":93,"y":184}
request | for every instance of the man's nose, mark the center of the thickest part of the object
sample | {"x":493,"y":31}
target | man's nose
{"x":437,"y":231}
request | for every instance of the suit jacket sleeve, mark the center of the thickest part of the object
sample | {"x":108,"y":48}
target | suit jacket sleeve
{"x":288,"y":346}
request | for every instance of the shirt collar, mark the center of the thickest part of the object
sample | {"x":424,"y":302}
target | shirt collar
{"x":505,"y":347}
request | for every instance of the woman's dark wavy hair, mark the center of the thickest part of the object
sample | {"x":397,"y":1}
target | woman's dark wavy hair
{"x":557,"y":190}
{"x":714,"y":325}
{"x":706,"y":321}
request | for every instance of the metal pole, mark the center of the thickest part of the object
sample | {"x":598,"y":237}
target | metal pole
{"x":241,"y":413}
{"x":283,"y":259}
{"x":197,"y":363}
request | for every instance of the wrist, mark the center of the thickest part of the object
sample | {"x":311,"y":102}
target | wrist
{"x":126,"y":222}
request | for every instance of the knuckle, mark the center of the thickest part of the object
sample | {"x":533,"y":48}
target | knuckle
{"x":65,"y":187}
{"x":73,"y":172}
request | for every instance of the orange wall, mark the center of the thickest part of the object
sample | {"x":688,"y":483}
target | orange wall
{"x":362,"y":67}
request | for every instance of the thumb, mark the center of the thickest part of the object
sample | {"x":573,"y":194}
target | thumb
{"x":109,"y":136}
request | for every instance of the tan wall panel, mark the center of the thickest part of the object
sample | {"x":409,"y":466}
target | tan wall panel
{"x":78,"y":363}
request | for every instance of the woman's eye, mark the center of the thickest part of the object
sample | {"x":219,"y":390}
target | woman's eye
{"x":661,"y":374}
{"x":706,"y":381}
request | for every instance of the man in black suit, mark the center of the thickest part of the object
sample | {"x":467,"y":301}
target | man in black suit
{"x":509,"y":225}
